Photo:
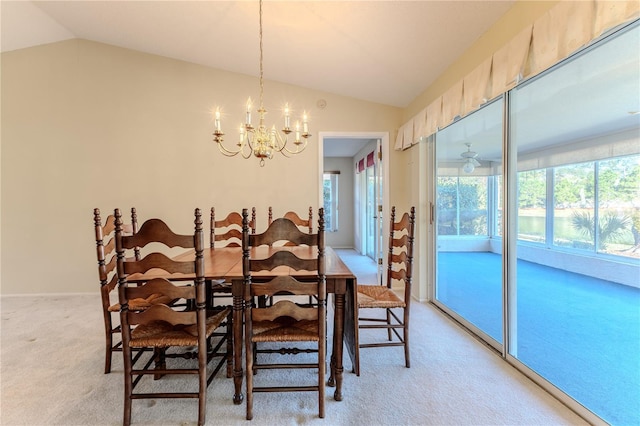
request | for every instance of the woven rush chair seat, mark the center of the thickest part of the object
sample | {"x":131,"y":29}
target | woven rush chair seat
{"x":370,"y":296}
{"x":161,"y":334}
{"x":285,"y":330}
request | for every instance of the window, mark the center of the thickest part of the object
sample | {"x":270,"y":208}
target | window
{"x":330,"y":197}
{"x":606,"y":192}
{"x":618,"y":206}
{"x":532,"y":196}
{"x":462,"y":205}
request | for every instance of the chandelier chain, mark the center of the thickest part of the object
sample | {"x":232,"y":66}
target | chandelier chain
{"x":261,"y":66}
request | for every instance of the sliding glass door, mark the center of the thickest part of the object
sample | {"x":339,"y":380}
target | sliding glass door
{"x":537,"y":214}
{"x":469,"y":260}
{"x":577,"y":321}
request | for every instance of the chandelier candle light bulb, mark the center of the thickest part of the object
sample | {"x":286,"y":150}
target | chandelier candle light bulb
{"x":287,"y":117}
{"x":217,"y":123}
{"x":261,"y":141}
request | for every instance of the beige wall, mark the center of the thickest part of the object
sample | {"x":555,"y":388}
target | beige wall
{"x":89,"y":125}
{"x":522,"y":13}
{"x":78,"y":117}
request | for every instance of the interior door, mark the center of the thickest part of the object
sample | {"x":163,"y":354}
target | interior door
{"x":374,"y":208}
{"x":380,"y":210}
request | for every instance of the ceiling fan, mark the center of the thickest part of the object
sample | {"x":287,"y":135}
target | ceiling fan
{"x":470,"y":162}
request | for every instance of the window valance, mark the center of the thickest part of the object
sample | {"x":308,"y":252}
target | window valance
{"x":564,"y":29}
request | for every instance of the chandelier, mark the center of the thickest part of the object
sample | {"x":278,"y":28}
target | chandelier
{"x":261,"y":141}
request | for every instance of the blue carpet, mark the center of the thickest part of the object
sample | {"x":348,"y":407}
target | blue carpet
{"x":580,"y":333}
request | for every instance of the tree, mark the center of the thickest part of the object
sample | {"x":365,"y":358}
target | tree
{"x":611,"y":227}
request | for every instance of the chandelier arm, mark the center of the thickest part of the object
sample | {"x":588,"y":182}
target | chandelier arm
{"x":300,"y":148}
{"x":230,"y":153}
{"x":280,"y":142}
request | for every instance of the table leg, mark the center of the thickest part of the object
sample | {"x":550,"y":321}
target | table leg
{"x":338,"y":338}
{"x":238,"y":397}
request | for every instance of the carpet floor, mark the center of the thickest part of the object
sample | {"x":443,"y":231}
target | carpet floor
{"x":51,"y":373}
{"x":580,"y":333}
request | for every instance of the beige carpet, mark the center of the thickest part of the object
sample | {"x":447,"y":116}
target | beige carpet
{"x":51,"y":372}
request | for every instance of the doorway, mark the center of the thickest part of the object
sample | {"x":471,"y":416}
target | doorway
{"x":362,"y":175}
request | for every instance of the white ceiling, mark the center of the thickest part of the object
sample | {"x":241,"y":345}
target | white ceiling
{"x":382,"y":51}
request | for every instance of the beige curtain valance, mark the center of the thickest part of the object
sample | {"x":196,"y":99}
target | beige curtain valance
{"x":405,"y":137}
{"x":567,"y":27}
{"x":477,"y":87}
{"x":452,"y":103}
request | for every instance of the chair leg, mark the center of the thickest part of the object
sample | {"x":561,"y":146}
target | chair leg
{"x":407,"y":358}
{"x":353,"y":299}
{"x":128,"y":386}
{"x":160,"y":360}
{"x":249,"y":372}
{"x":230,"y":345}
{"x":108,"y":353}
{"x":388,"y":312}
{"x":202,"y":392}
{"x":321,"y":385}
{"x":109,"y":330}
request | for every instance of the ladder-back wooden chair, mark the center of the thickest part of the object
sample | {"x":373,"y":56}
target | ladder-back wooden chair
{"x":384,"y":298}
{"x":227,"y":232}
{"x":161,"y":326}
{"x":106,"y":254}
{"x":305,"y":225}
{"x":284,"y":321}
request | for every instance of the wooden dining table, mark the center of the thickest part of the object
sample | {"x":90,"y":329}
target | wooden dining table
{"x":226,"y":264}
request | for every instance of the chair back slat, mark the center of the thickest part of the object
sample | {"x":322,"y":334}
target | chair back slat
{"x":109,"y":225}
{"x":158,"y":261}
{"x":161,"y":285}
{"x":230,"y":234}
{"x":283,"y":258}
{"x":283,"y":229}
{"x":283,"y":284}
{"x":403,"y":223}
{"x":285,"y":308}
{"x":305,"y":225}
{"x":162,"y":313}
{"x":156,"y":231}
{"x":399,"y":275}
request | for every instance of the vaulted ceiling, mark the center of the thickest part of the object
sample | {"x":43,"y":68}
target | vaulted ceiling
{"x":382,"y":51}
